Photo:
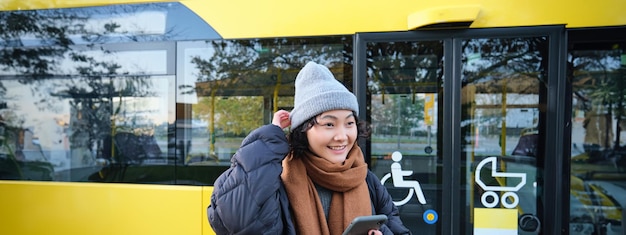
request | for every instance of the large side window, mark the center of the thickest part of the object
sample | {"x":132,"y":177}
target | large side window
{"x":93,"y":98}
{"x":100,"y":109}
{"x":228,"y":88}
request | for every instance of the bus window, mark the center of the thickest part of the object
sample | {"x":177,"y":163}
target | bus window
{"x":131,"y":95}
{"x":598,"y":148}
{"x":235,"y":86}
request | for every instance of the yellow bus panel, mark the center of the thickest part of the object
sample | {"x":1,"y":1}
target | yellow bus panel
{"x":258,"y":19}
{"x":99,"y":208}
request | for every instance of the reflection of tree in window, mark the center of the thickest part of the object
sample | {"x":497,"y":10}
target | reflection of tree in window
{"x":502,"y":68}
{"x":32,"y":45}
{"x":240,"y":81}
{"x":397,"y":72}
{"x":598,"y":82}
{"x":404,"y":67}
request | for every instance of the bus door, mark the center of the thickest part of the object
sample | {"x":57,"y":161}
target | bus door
{"x":458,"y":124}
{"x":403,"y":81}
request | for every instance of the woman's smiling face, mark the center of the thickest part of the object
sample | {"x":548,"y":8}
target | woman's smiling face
{"x":333,"y":135}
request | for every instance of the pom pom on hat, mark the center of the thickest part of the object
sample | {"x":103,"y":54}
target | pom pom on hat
{"x":318,"y":91}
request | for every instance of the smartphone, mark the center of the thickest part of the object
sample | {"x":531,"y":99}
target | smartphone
{"x":362,"y":224}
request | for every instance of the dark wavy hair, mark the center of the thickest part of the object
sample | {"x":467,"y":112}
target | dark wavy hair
{"x":299,"y":143}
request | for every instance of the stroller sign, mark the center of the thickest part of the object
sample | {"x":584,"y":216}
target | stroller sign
{"x":509,"y":191}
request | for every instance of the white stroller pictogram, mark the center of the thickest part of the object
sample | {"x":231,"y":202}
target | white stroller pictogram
{"x":489,"y":190}
{"x":397,"y":175}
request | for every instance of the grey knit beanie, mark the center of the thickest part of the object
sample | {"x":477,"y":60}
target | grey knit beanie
{"x":318,"y":91}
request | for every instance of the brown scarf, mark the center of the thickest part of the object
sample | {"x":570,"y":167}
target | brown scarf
{"x":347,"y":181}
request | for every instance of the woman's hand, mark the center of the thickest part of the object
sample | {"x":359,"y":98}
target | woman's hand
{"x":281,"y":119}
{"x":374,"y":232}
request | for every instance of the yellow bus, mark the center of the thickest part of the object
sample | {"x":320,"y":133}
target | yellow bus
{"x":116,"y":116}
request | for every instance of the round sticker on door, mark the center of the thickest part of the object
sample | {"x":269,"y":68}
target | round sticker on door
{"x":430,"y":216}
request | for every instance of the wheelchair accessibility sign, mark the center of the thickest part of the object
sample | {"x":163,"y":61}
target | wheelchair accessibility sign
{"x":397,"y":176}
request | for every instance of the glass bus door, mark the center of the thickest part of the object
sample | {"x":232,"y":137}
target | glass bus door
{"x":458,"y":125}
{"x":404,"y":81}
{"x":503,"y":84}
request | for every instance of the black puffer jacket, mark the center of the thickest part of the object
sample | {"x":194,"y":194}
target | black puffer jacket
{"x":249,"y":197}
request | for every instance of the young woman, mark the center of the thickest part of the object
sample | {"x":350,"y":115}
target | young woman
{"x":314,"y":182}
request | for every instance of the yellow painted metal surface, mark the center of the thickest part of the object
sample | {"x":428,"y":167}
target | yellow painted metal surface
{"x":328,"y":17}
{"x":294,"y":18}
{"x":98,"y":208}
{"x":442,"y":15}
{"x":258,"y":19}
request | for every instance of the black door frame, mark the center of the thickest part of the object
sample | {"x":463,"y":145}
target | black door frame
{"x":555,"y":170}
